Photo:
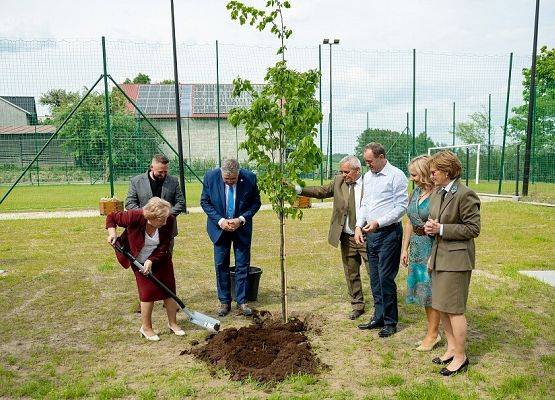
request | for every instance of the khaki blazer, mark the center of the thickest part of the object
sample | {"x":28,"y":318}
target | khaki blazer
{"x":460,"y":216}
{"x":339,"y":190}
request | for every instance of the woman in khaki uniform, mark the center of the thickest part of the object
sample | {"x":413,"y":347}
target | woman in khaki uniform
{"x":454,"y":220}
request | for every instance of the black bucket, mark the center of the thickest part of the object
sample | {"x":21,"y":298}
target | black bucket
{"x":253,"y":281}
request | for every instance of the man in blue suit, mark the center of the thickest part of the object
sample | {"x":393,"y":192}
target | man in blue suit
{"x":230,"y":198}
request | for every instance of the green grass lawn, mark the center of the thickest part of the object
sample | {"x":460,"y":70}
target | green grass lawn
{"x":67,"y":328}
{"x":84,"y":196}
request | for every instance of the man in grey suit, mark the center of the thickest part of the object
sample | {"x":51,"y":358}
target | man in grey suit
{"x":346,"y":189}
{"x":156,"y":183}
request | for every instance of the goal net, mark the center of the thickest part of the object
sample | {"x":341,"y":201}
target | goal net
{"x":469,"y":154}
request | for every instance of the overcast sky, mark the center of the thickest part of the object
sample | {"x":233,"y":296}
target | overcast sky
{"x":451,"y":38}
{"x":478,"y":26}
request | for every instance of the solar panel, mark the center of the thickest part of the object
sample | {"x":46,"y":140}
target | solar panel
{"x":205,"y":98}
{"x":160,"y":99}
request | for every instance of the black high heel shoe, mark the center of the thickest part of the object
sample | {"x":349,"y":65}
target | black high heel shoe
{"x":462,"y":368}
{"x":439,"y":361}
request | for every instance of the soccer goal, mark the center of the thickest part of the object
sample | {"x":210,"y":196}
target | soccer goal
{"x":476,"y":146}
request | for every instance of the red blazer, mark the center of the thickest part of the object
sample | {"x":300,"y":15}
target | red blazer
{"x":133,"y":237}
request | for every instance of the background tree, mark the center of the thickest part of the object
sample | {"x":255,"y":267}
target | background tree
{"x":167,"y":82}
{"x":58,"y":97}
{"x":397,"y":145}
{"x":139,"y":79}
{"x":544,"y":126}
{"x":280,"y":124}
{"x":475,"y":130}
{"x":84,"y":135}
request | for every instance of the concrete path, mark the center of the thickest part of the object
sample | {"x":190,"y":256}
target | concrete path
{"x":192,"y":210}
{"x":95,"y":213}
{"x":544,"y":276}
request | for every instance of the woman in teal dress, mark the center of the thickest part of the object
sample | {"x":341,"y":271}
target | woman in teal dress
{"x":417,"y":247}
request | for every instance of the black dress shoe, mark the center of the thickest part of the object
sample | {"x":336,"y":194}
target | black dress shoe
{"x":462,"y":368}
{"x":224,"y":310}
{"x":355,"y":314}
{"x":439,"y":361}
{"x":387,"y":331}
{"x":372,"y":324}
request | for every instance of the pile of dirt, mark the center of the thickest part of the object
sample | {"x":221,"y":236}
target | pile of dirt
{"x":268,"y":351}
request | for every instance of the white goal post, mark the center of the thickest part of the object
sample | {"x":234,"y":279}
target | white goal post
{"x":477,"y":145}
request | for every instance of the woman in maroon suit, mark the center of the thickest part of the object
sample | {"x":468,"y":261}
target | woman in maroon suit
{"x":147,"y":235}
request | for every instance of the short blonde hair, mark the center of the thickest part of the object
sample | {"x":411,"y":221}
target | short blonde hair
{"x":156,"y":208}
{"x":421,"y":166}
{"x":448,"y":162}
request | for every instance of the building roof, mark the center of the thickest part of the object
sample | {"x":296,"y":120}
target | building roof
{"x":26,"y":103}
{"x":27,"y":129}
{"x":198,"y":100}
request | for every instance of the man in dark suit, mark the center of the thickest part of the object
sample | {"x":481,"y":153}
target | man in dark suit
{"x":346,"y":190}
{"x":230,"y":198}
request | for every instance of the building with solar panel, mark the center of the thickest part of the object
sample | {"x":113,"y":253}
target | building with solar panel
{"x":199,"y":116}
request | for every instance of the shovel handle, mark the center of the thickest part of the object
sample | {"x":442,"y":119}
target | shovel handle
{"x":150,"y":276}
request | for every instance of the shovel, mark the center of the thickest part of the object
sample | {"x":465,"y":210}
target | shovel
{"x":204,"y":321}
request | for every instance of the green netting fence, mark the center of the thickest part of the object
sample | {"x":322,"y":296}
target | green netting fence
{"x":409,"y":101}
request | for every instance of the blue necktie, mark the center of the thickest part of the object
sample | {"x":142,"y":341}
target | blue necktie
{"x":230,"y":206}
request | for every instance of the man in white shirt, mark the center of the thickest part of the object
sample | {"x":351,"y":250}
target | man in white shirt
{"x":384,"y":202}
{"x":346,"y":190}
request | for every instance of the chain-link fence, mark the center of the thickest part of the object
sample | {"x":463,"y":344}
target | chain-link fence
{"x":408,"y":100}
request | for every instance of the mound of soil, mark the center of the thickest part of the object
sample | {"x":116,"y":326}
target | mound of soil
{"x":269,"y":351}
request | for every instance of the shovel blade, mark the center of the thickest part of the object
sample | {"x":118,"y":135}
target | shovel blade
{"x":204,"y":321}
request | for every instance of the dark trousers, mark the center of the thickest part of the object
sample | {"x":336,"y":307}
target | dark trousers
{"x":384,"y":252}
{"x":353,"y":255}
{"x":222,"y":251}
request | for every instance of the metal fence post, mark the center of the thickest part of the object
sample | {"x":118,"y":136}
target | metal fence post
{"x":331,"y":124}
{"x":36,"y":150}
{"x":177,"y":112}
{"x":517,"y":173}
{"x":467,"y":165}
{"x":505,"y":125}
{"x":107,"y":117}
{"x":367,"y":120}
{"x":489,"y":137}
{"x":413,"y":102}
{"x":408,"y":136}
{"x":321,"y":133}
{"x":426,"y":121}
{"x":189,"y":138}
{"x":453,"y":123}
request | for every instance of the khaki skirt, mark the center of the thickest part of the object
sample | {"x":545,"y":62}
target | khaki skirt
{"x":450,"y":291}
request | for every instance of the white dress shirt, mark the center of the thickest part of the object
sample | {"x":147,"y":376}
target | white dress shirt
{"x":385,"y":197}
{"x":358,"y":194}
{"x":227,"y":187}
{"x":151,"y":243}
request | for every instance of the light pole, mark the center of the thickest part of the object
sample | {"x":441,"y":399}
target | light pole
{"x":330,"y":136}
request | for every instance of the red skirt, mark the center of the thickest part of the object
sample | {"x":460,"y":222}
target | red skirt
{"x":148,"y":290}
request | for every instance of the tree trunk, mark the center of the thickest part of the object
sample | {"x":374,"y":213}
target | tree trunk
{"x":282,"y":265}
